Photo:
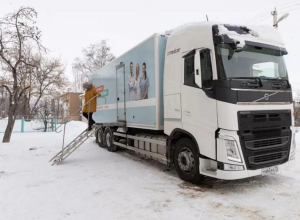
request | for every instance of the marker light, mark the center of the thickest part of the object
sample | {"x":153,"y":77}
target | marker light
{"x":233,"y":167}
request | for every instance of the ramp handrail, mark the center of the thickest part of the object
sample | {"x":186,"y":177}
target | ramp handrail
{"x":73,"y":115}
{"x":63,"y":118}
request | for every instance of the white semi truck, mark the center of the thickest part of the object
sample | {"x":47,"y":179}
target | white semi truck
{"x":210,"y":99}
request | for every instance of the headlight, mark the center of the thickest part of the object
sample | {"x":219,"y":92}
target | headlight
{"x":232,"y":151}
{"x":293,"y":149}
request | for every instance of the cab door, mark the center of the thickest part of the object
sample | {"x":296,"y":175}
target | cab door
{"x":199,"y":111}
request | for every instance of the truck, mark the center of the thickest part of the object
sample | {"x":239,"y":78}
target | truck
{"x":210,"y":99}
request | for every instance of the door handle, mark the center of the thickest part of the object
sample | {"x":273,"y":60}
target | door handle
{"x":187,"y":113}
{"x":118,"y":99}
{"x":177,"y":110}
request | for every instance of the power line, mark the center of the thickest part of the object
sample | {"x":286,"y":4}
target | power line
{"x":264,"y":14}
{"x":287,"y":3}
{"x":256,"y":17}
{"x":262,"y":17}
{"x":280,"y":13}
{"x":290,"y":10}
{"x":289,"y":6}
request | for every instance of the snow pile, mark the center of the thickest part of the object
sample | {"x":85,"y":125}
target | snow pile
{"x":17,"y":126}
{"x":261,"y":33}
{"x":237,"y":38}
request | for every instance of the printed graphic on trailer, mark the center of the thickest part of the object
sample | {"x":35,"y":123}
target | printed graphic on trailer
{"x":104,"y":92}
{"x":138,"y":84}
{"x":136,"y":87}
{"x":139,"y":81}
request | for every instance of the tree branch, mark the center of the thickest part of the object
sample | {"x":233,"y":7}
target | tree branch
{"x":23,"y":90}
{"x":6,"y":87}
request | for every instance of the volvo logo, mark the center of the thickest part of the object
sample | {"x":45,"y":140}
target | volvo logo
{"x":266,"y":96}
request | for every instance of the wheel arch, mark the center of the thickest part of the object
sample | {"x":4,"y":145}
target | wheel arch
{"x":176,"y":135}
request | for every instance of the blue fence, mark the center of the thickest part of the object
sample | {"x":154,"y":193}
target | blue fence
{"x":30,"y":125}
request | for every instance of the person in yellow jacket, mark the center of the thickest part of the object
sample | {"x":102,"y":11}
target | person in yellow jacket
{"x":90,"y":107}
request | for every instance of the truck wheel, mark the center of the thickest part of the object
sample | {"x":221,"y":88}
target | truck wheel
{"x":108,"y":140}
{"x":186,"y":161}
{"x":100,"y":138}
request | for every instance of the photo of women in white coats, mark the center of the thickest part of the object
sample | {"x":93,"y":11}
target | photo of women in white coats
{"x":144,"y":83}
{"x":136,"y":87}
{"x":131,"y":80}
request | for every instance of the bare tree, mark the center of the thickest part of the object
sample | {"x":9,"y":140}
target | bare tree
{"x":95,"y":56}
{"x":16,"y":31}
{"x":297,"y":106}
{"x":45,"y":111}
{"x":47,"y":78}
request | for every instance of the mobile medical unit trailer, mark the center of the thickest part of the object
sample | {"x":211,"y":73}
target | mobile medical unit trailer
{"x":210,"y":99}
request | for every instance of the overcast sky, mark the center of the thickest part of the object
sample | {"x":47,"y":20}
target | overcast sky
{"x":68,"y":26}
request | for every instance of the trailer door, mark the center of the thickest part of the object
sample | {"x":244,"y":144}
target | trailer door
{"x":121,"y":106}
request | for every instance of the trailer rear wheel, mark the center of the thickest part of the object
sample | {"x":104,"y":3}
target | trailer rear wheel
{"x":108,"y":140}
{"x":186,"y":161}
{"x":100,"y":138}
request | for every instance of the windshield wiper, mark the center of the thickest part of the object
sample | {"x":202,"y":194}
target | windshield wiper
{"x":242,"y":77}
{"x":277,"y":79}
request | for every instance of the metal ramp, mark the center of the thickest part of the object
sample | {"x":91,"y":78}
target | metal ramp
{"x":77,"y":142}
{"x":72,"y":146}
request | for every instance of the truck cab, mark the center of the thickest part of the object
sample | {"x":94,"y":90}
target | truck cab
{"x":227,"y":101}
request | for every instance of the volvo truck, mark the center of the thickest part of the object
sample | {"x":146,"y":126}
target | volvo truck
{"x":209,"y":99}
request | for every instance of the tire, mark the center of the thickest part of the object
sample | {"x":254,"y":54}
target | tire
{"x":100,"y":138}
{"x":186,"y":161}
{"x":108,"y":140}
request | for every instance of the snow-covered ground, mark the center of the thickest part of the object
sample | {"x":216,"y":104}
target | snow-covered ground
{"x":29,"y":125}
{"x":96,"y":184}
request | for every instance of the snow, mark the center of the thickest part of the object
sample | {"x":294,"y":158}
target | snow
{"x":96,"y":184}
{"x":238,"y":39}
{"x":29,"y":125}
{"x":262,"y":33}
{"x":3,"y":124}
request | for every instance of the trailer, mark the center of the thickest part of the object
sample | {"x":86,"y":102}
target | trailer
{"x":122,"y":83}
{"x":210,"y":99}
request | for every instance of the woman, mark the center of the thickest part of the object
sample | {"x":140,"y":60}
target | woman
{"x":136,"y":86}
{"x":90,"y":103}
{"x":144,"y":84}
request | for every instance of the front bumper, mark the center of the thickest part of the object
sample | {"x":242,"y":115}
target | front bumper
{"x":234,"y":175}
{"x":210,"y":167}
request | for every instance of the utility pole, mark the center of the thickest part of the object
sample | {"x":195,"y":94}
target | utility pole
{"x":275,"y":22}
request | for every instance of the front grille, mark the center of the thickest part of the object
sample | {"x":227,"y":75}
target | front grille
{"x":269,"y":158}
{"x":251,"y":120}
{"x":265,"y":137}
{"x":266,"y":143}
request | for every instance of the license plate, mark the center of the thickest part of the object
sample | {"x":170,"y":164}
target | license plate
{"x":269,"y":170}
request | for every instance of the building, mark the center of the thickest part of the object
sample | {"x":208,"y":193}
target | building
{"x":67,"y":105}
{"x":81,"y":97}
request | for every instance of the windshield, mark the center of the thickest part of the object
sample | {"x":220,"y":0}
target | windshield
{"x":251,"y":62}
